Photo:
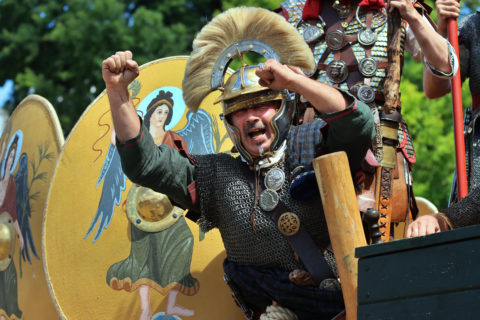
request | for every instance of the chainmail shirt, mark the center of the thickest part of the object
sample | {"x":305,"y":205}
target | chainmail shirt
{"x":226,"y":202}
{"x":466,"y":212}
{"x":469,"y":41}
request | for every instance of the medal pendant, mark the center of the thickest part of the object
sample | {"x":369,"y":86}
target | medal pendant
{"x":312,"y":34}
{"x":274,"y":179}
{"x":367,"y":67}
{"x":337,"y":71}
{"x":367,"y":37}
{"x":268,"y":199}
{"x":335,"y":40}
{"x":366,"y":94}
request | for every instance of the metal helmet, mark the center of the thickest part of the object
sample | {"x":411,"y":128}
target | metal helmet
{"x":230,"y":35}
{"x":242,"y":91}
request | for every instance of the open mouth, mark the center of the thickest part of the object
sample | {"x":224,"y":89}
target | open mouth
{"x":256,"y":132}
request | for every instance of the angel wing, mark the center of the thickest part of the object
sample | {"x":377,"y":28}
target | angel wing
{"x":198,"y":133}
{"x":114,"y":182}
{"x":23,"y":208}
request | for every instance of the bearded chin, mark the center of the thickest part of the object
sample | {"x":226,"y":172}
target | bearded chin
{"x":260,"y":149}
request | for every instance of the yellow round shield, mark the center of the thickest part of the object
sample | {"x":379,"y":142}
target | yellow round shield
{"x":100,"y":263}
{"x":29,"y":147}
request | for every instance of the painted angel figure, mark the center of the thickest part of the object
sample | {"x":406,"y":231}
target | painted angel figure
{"x":14,"y":204}
{"x":158,"y":260}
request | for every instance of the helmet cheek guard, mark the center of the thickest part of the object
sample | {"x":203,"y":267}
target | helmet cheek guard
{"x":242,"y":91}
{"x":228,"y":36}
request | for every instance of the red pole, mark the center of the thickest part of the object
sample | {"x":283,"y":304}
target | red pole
{"x":458,"y":116}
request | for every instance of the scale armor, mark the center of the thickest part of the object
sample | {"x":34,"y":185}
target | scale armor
{"x":294,"y":9}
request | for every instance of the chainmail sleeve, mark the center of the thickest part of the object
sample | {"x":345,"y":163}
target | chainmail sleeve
{"x":469,"y":41}
{"x":465,"y":212}
{"x":205,"y":174}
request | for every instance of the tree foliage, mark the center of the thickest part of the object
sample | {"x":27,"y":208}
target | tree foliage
{"x":55,"y":48}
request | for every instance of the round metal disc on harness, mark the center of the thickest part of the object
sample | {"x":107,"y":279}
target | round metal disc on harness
{"x":288,"y":223}
{"x":274,"y":179}
{"x":312,"y":34}
{"x":268,"y":199}
{"x":366,"y":93}
{"x":335,"y":40}
{"x":367,"y":37}
{"x":337,"y":71}
{"x":367,"y":67}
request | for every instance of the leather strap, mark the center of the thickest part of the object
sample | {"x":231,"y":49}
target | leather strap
{"x":381,"y":65}
{"x":306,"y":249}
{"x":302,"y":243}
{"x":332,"y":21}
{"x":384,"y":189}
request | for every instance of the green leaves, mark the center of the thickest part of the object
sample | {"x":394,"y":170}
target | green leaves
{"x":430,"y":124}
{"x":55,"y":48}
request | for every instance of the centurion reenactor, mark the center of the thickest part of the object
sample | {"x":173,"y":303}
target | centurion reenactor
{"x":358,"y":47}
{"x":276,"y":238}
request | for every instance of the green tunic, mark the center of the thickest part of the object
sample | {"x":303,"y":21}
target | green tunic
{"x":165,"y":170}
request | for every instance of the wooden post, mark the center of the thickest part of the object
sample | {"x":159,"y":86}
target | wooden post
{"x":343,"y":221}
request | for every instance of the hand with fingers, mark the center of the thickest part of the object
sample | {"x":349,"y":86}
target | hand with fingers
{"x":424,"y":225}
{"x":119,"y":70}
{"x":278,"y":76}
{"x":446,"y":9}
{"x":405,"y":8}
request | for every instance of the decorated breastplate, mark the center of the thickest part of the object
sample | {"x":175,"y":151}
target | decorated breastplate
{"x":368,"y":41}
{"x":350,"y":47}
{"x":227,"y":197}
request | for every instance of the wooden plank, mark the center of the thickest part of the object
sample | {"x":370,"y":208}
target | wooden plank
{"x":419,"y":242}
{"x":448,"y":306}
{"x":343,"y":220}
{"x":426,"y":270}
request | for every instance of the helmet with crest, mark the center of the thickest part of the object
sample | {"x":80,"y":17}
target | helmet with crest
{"x":228,"y":36}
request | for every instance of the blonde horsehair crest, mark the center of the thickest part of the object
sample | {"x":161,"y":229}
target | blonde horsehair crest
{"x":234,"y":25}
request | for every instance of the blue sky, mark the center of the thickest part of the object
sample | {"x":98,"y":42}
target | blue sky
{"x":6,"y":92}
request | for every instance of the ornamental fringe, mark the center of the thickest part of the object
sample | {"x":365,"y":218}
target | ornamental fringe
{"x":234,"y":25}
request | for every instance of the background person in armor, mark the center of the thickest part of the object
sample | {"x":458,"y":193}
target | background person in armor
{"x":245,"y":197}
{"x":354,"y":34}
{"x":466,"y":212}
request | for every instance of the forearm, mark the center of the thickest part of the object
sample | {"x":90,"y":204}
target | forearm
{"x":162,"y":169}
{"x":434,"y":86}
{"x":465,"y":212}
{"x":434,"y":47}
{"x":125,"y":119}
{"x":322,"y":97}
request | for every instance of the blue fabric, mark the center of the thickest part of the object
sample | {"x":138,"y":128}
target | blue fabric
{"x":260,"y":286}
{"x":302,"y":145}
{"x":303,"y":142}
{"x":304,"y":186}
